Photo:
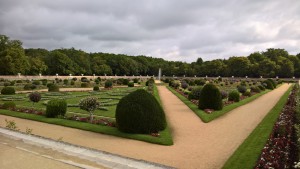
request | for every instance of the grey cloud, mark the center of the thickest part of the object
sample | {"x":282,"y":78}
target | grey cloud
{"x":171,"y":29}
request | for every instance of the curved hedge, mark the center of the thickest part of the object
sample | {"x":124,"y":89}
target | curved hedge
{"x":140,"y":112}
{"x":210,"y":98}
{"x":8,"y":91}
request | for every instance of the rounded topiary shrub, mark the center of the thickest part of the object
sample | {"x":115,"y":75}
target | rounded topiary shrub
{"x":53,"y":88}
{"x":184,"y":85}
{"x":255,"y":89}
{"x":108,"y":84}
{"x":96,"y":88}
{"x":84,"y":84}
{"x":247,"y":93}
{"x":8,"y":91}
{"x":135,"y":80}
{"x":140,"y":112}
{"x":273,"y":82}
{"x":234,"y":96}
{"x":210,"y":98}
{"x":268,"y":84}
{"x":125,"y":81}
{"x":9,"y":105}
{"x":195,"y":93}
{"x":37,"y":82}
{"x":56,"y":107}
{"x":35,"y":97}
{"x":242,"y":88}
{"x":261,"y":87}
{"x":130,"y":84}
{"x":72,"y":82}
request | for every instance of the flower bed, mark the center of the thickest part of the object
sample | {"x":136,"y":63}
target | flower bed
{"x":281,"y":149}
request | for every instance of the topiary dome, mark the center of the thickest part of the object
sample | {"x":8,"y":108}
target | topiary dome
{"x":140,"y":112}
{"x":210,"y":98}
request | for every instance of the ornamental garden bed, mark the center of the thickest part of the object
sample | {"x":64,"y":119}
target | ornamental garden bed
{"x":104,"y":117}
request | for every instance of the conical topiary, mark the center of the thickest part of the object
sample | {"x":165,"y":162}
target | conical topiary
{"x":140,"y":112}
{"x":210,"y":98}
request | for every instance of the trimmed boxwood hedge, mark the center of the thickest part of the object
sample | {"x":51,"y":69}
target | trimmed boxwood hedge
{"x":210,"y":98}
{"x":8,"y":91}
{"x":234,"y":95}
{"x":56,"y":107}
{"x":140,"y":112}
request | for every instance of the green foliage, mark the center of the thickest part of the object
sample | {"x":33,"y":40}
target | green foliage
{"x":125,"y":81}
{"x":35,"y":97}
{"x":66,"y":81}
{"x":53,"y":88}
{"x":140,"y":112}
{"x":130,"y":84}
{"x":234,"y":96}
{"x":9,"y":105}
{"x":6,"y":84}
{"x":247,"y":93}
{"x":135,"y":80}
{"x":72,"y":82}
{"x":96,"y":88}
{"x":241,"y":88}
{"x":85,"y":84}
{"x":56,"y":107}
{"x":210,"y":98}
{"x":273,"y":82}
{"x":89,"y":104}
{"x":8,"y":91}
{"x":108,"y":84}
{"x":36,"y":82}
{"x":29,"y":87}
{"x":261,"y":87}
{"x":268,"y":84}
{"x":195,"y":93}
{"x":255,"y":89}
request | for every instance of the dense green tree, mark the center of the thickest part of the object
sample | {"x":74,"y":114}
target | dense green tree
{"x":238,"y":66}
{"x":267,"y":68}
{"x":12,"y":57}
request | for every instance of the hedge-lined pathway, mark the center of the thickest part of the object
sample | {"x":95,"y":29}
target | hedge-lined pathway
{"x":197,"y":144}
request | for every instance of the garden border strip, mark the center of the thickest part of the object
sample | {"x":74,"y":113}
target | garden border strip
{"x":209,"y":117}
{"x":249,"y":151}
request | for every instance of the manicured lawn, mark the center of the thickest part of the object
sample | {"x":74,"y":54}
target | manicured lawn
{"x":165,"y":137}
{"x":249,"y":151}
{"x":209,"y":117}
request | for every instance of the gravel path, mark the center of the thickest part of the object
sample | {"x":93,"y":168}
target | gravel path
{"x":197,"y":144}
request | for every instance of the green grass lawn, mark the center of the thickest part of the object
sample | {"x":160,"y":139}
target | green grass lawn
{"x":165,"y":137}
{"x":249,"y":151}
{"x":209,"y":117}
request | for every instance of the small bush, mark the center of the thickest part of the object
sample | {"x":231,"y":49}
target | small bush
{"x":273,"y":82}
{"x":35,"y":97}
{"x":56,"y":107}
{"x":29,"y":87}
{"x":53,"y":88}
{"x":224,"y":94}
{"x":234,"y":96}
{"x":19,"y":81}
{"x":268,"y":84}
{"x":97,"y":81}
{"x":8,"y":91}
{"x":135,"y":80}
{"x":184,"y":85}
{"x":195,"y":93}
{"x":74,"y":79}
{"x":9,"y":105}
{"x":130,"y":84}
{"x":84,"y":84}
{"x":255,"y":89}
{"x":261,"y":87}
{"x":241,"y":88}
{"x":210,"y":98}
{"x":247,"y":93}
{"x":96,"y":88}
{"x":89,"y":104}
{"x":150,"y":82}
{"x":108,"y":84}
{"x":84,"y":79}
{"x":37,"y":82}
{"x":66,"y":81}
{"x":44,"y":82}
{"x":72,"y":82}
{"x":200,"y":82}
{"x":140,"y":112}
{"x":125,"y":81}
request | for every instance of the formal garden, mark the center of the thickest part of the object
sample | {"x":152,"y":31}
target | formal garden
{"x":99,"y":110}
{"x":212,"y":98}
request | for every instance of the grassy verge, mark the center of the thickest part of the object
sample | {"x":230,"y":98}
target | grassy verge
{"x":249,"y":151}
{"x":165,"y":137}
{"x":209,"y":117}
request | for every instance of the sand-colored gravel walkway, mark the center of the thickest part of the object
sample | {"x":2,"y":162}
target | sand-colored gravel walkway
{"x":197,"y":144}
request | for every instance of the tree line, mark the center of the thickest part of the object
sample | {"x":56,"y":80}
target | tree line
{"x":15,"y":59}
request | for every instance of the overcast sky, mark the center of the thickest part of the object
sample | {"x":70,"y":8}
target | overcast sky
{"x":171,"y":29}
